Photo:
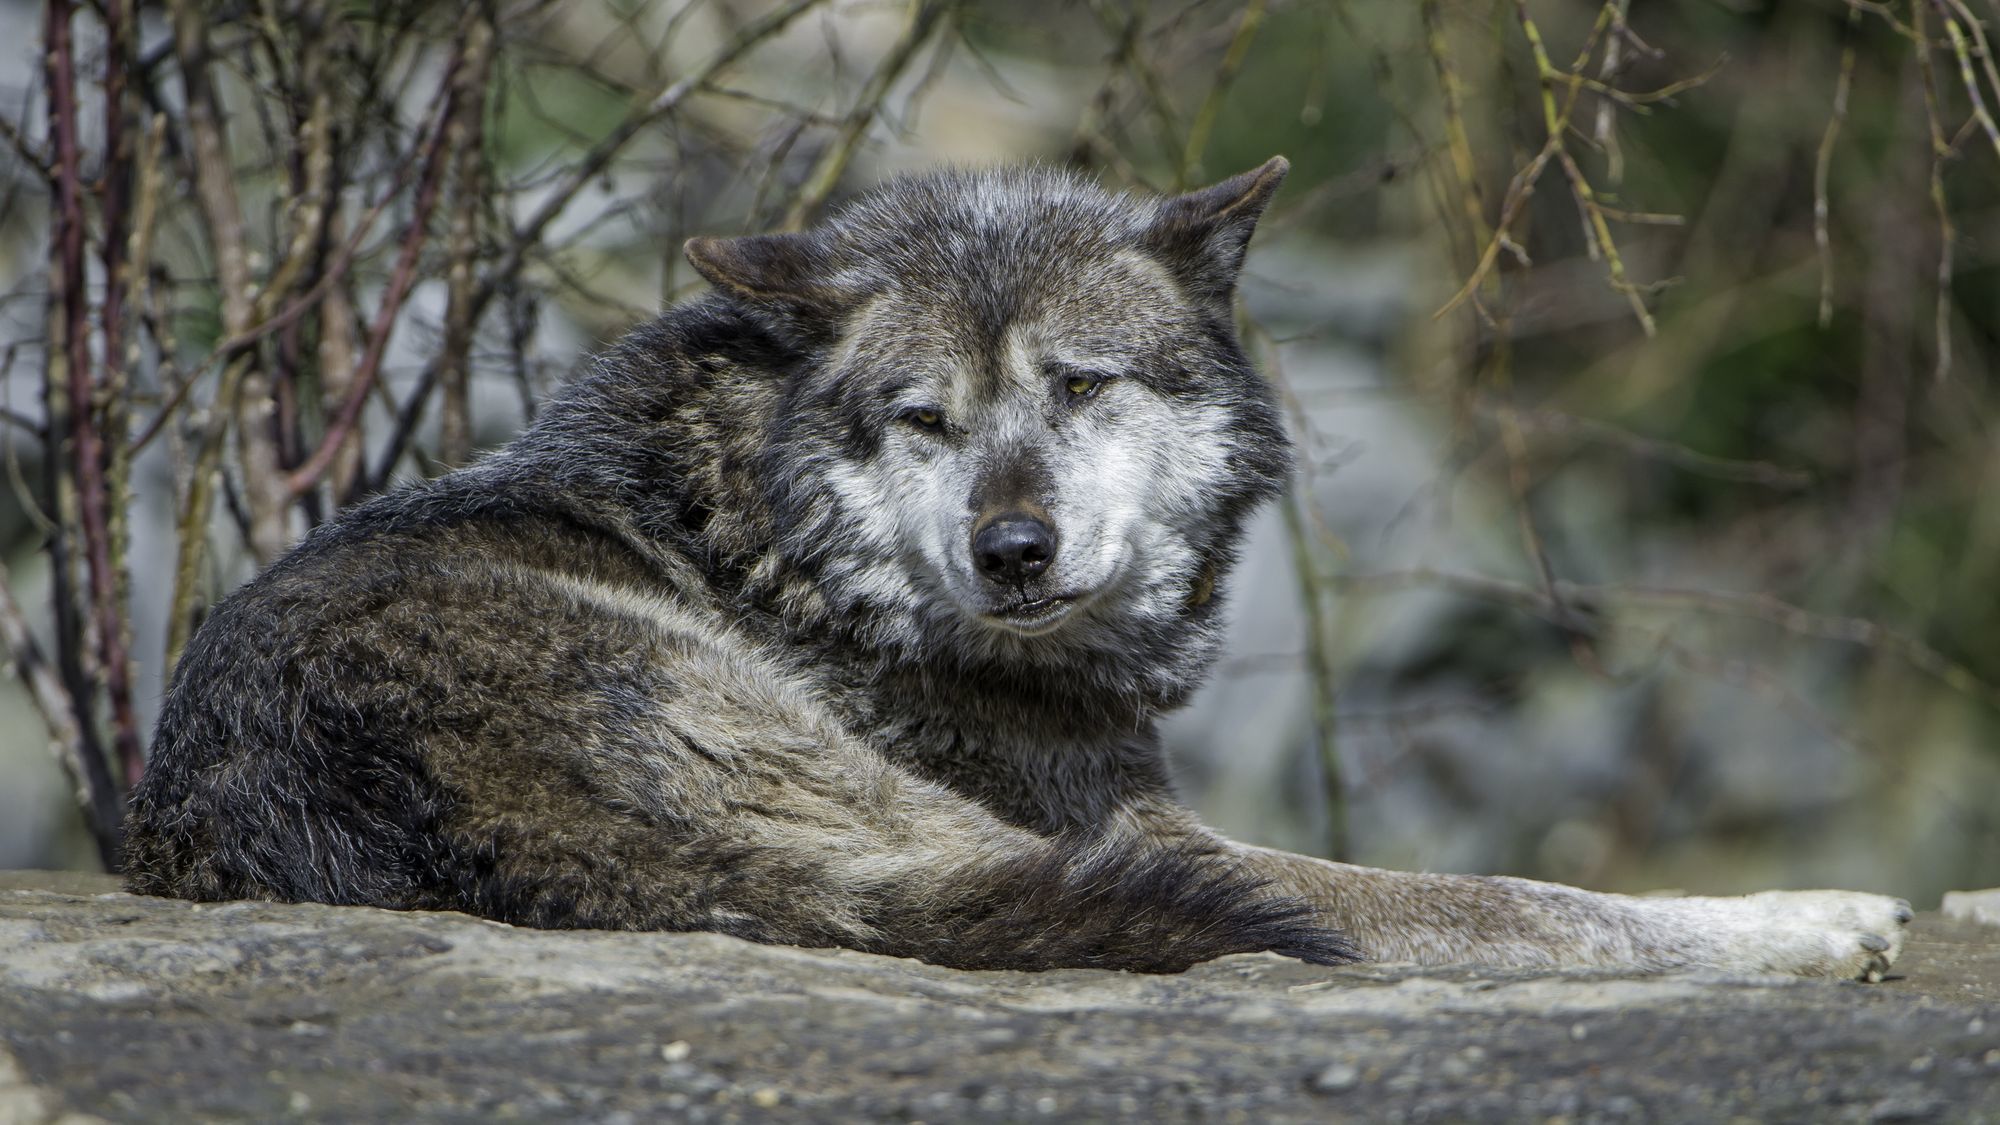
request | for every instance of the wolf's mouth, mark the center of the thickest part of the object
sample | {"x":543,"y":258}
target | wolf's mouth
{"x":1034,"y":617}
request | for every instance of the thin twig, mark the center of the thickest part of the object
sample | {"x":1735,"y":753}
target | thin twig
{"x":309,"y":472}
{"x":825,"y":175}
{"x":1556,"y":115}
{"x":249,"y":394}
{"x":95,"y":794}
{"x":24,"y":150}
{"x":1947,"y":232}
{"x":1823,"y":165}
{"x":1672,"y":453}
{"x":526,"y":238}
{"x":1963,"y":52}
{"x":1604,"y":132}
{"x":330,"y":279}
{"x":1247,"y":26}
{"x":1320,"y":682}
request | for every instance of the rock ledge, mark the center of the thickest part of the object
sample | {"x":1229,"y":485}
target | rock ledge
{"x":138,"y":1009}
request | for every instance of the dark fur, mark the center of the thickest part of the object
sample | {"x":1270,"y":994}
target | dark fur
{"x":392,"y":716}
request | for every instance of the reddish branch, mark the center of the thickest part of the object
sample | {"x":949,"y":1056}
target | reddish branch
{"x":332,"y":275}
{"x":86,"y":444}
{"x":369,"y":369}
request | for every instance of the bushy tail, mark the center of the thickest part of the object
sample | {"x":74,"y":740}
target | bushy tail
{"x":1140,"y":906}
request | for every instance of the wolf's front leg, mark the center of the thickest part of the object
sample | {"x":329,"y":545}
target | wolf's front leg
{"x":1441,"y":919}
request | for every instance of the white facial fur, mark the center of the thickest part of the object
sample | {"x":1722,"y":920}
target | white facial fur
{"x":1122,"y":477}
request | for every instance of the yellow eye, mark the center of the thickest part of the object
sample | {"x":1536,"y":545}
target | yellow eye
{"x":1082,"y":385}
{"x":925,"y":417}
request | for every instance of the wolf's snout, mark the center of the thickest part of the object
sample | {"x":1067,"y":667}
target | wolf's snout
{"x":1013,"y":547}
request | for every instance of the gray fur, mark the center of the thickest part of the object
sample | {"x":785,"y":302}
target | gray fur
{"x":835,"y":608}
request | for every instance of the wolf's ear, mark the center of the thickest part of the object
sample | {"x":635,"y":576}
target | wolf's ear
{"x":785,"y":269}
{"x":1202,"y":236}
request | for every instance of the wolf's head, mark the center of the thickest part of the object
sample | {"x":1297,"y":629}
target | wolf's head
{"x":1026,"y":431}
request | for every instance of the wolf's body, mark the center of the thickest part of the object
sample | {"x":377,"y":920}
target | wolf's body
{"x":838,"y":608}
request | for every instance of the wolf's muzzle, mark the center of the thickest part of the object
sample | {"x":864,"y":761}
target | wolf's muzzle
{"x":1013,"y":547}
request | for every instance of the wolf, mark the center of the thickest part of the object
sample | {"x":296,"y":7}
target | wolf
{"x":839,"y":608}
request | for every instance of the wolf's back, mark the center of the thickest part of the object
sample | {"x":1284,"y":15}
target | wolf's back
{"x":276,"y":771}
{"x":322,"y":725}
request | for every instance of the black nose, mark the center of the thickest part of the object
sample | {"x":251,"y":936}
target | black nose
{"x":1013,"y":548}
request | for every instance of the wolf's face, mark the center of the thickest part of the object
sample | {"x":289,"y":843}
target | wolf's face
{"x":1030,"y":431}
{"x":1055,"y":467}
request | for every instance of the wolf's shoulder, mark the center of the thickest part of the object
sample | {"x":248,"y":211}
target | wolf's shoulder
{"x":451,"y":547}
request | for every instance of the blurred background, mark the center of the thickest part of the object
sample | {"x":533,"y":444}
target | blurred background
{"x":1647,"y":532}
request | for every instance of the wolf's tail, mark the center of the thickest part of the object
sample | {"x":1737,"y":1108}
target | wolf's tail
{"x":1142,"y":906}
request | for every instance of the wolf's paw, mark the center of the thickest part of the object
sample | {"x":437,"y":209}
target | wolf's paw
{"x":1813,"y":933}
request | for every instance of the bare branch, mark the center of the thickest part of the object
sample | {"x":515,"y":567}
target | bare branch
{"x":1823,"y":164}
{"x":825,"y":176}
{"x":1247,"y":26}
{"x":400,"y":279}
{"x":96,"y":794}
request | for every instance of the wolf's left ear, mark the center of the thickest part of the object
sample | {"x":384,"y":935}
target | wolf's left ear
{"x":1202,"y":236}
{"x":790,"y":270}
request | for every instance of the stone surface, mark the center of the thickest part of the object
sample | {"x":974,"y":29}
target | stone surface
{"x":135,"y":1009}
{"x":1982,"y":907}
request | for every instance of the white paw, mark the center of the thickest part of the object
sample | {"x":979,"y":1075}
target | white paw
{"x":1810,"y":933}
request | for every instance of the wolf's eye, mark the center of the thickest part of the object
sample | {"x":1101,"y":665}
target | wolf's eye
{"x":924,"y":418}
{"x":1081,"y":384}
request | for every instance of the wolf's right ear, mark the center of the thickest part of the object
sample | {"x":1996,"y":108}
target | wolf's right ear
{"x":784,"y":269}
{"x":1203,"y":235}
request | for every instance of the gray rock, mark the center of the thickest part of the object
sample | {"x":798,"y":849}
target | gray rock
{"x":1982,"y":907}
{"x":135,"y":1009}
